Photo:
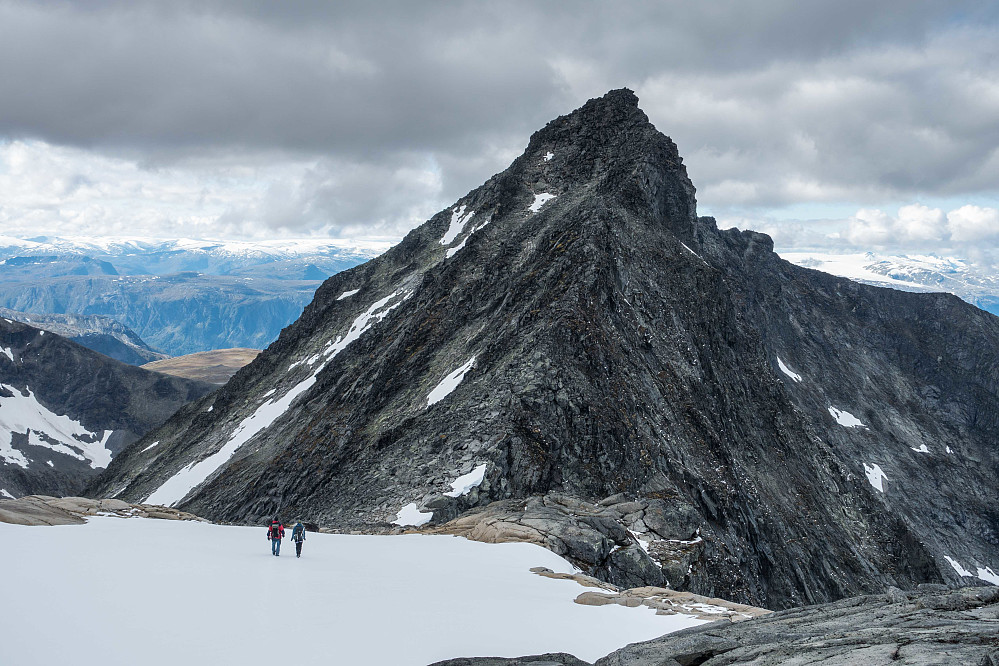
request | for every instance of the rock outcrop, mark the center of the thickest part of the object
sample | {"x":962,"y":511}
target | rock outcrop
{"x":39,"y":510}
{"x":932,"y":625}
{"x":610,"y":539}
{"x":576,"y":328}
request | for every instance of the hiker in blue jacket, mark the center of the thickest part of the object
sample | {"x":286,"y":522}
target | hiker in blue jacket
{"x":298,"y":536}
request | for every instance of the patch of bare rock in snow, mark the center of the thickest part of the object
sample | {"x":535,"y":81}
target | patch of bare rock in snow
{"x":45,"y":510}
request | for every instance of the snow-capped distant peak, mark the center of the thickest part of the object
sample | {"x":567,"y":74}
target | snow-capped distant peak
{"x":977,"y":284}
{"x":124,"y":245}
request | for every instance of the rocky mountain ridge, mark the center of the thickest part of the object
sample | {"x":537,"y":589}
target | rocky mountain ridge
{"x":102,"y":334}
{"x":66,"y":410}
{"x":573,"y":328}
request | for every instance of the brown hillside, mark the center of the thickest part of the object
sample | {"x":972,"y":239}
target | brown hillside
{"x":215,"y":366}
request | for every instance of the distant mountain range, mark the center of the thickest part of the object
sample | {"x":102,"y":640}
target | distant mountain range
{"x":974,"y":283}
{"x":286,"y":259}
{"x":179,"y":296}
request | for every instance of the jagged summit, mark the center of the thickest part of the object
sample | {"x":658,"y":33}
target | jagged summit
{"x":602,"y":121}
{"x":571,"y":333}
{"x":610,"y":145}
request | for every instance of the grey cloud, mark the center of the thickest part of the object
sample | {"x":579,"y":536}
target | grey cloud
{"x":771,"y":102}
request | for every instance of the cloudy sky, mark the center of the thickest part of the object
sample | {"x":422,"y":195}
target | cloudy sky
{"x":848,"y":124}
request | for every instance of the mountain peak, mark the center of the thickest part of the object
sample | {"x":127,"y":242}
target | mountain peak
{"x":568,"y":338}
{"x":610,"y":144}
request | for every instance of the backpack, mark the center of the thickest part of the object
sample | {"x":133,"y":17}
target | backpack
{"x":297,"y":533}
{"x":275,"y":530}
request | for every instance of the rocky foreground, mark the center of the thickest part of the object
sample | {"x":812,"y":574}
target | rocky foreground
{"x":37,"y":510}
{"x":931,"y":625}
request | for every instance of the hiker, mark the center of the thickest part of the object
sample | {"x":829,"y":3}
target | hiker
{"x":275,"y":533}
{"x":298,"y":536}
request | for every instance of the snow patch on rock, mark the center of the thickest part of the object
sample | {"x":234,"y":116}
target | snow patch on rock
{"x":347,"y":294}
{"x":23,"y":414}
{"x":787,"y":371}
{"x":961,"y":571}
{"x":411,"y":515}
{"x":845,"y":418}
{"x":988,"y":575}
{"x":458,"y":220}
{"x":449,"y":383}
{"x":540,"y":200}
{"x":876,"y":475}
{"x":695,"y":254}
{"x":454,"y":250}
{"x":464,"y":484}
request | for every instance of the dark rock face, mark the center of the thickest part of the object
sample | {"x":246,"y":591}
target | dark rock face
{"x":64,"y":409}
{"x":603,"y":340}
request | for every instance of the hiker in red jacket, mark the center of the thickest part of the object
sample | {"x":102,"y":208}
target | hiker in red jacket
{"x":275,"y":533}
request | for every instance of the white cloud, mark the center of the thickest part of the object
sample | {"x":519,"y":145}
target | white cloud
{"x":969,"y":232}
{"x":915,"y":225}
{"x":61,"y":190}
{"x":973,"y":224}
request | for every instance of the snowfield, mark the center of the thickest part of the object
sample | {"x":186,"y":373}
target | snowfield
{"x":142,"y":591}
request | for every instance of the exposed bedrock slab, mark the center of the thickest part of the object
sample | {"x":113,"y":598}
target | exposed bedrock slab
{"x":37,"y":510}
{"x":919,"y":628}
